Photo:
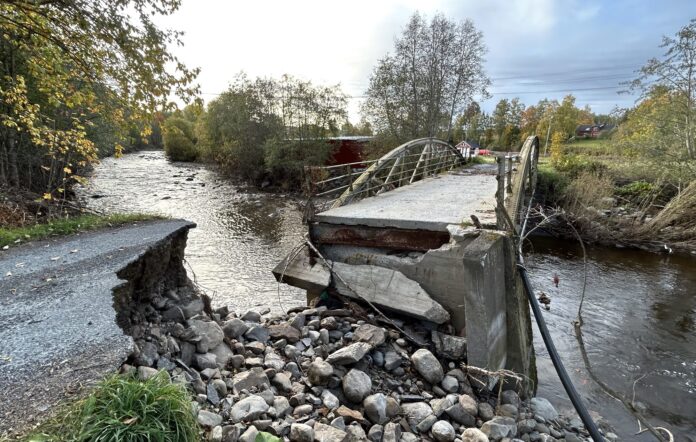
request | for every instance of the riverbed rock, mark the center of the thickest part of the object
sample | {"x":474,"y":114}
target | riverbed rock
{"x":375,"y":407}
{"x":208,"y":419}
{"x":443,"y":431}
{"x":474,"y":435}
{"x":301,"y":433}
{"x":257,"y":333}
{"x":415,"y":412}
{"x":248,"y":408}
{"x":350,"y":354}
{"x":246,"y":380}
{"x":234,"y":328}
{"x":449,"y":346}
{"x":499,"y":427}
{"x":319,"y":372}
{"x":328,"y":433}
{"x":356,"y":385}
{"x":375,"y":336}
{"x":542,"y":407}
{"x":209,"y":332}
{"x":427,"y":366}
{"x":284,"y":331}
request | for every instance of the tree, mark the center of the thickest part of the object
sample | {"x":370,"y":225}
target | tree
{"x":436,"y":70}
{"x":675,"y":71}
{"x":69,"y":63}
{"x":270,"y":128}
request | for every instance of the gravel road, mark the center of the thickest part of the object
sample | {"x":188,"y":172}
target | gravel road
{"x":57,"y":323}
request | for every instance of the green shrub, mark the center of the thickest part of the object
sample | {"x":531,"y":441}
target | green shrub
{"x":551,"y":184}
{"x":575,"y":165}
{"x":177,"y":146}
{"x":179,"y":140}
{"x":636,"y":189}
{"x":285,"y":159}
{"x":240,"y":159}
{"x":123,"y":409}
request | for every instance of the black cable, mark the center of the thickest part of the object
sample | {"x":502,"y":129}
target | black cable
{"x":556,"y":359}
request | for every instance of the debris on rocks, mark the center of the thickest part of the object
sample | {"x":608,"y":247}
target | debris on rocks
{"x":330,"y":375}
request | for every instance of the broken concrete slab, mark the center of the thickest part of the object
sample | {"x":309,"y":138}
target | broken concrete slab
{"x":388,"y":288}
{"x":303,"y":272}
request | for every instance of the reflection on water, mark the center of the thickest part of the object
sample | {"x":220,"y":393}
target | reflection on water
{"x":639,"y":310}
{"x":639,"y":316}
{"x":242,"y":233}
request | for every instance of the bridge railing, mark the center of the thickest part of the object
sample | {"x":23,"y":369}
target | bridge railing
{"x":338,"y":185}
{"x":517,"y":175}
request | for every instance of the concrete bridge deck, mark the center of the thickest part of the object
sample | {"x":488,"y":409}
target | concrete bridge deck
{"x":431,"y":204}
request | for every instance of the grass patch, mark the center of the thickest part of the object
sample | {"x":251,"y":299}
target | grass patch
{"x":124,"y":409}
{"x":67,"y":226}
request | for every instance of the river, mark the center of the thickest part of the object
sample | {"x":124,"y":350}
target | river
{"x":639,"y":311}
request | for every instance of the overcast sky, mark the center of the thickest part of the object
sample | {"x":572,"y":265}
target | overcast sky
{"x":536,"y":48}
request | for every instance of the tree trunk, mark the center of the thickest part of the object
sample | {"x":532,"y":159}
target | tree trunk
{"x":13,"y":169}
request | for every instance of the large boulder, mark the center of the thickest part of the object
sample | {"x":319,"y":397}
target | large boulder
{"x":428,"y":366}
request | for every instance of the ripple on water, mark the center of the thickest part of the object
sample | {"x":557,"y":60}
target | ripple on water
{"x":241,"y":233}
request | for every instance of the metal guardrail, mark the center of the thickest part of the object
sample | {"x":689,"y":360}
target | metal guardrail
{"x":338,"y":185}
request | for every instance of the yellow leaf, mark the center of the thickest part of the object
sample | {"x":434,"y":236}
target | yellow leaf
{"x":47,"y":196}
{"x":67,"y":170}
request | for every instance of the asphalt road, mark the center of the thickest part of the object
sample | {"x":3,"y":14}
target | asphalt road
{"x":57,"y":322}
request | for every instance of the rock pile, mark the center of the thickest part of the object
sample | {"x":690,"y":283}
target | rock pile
{"x":324,"y":375}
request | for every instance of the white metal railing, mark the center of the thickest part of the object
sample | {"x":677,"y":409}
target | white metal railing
{"x":338,"y":185}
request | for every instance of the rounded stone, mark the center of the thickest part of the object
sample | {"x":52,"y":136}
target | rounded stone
{"x":443,"y":431}
{"x":428,"y":366}
{"x":474,"y":435}
{"x":356,"y":385}
{"x":319,"y":372}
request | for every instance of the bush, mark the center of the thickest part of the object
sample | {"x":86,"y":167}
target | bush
{"x":240,"y":159}
{"x":574,"y":166}
{"x":179,"y":140}
{"x":177,"y":146}
{"x":285,"y":159}
{"x":551,"y":184}
{"x":123,"y":409}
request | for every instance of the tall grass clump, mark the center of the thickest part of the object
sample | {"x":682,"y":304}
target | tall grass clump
{"x":124,"y":409}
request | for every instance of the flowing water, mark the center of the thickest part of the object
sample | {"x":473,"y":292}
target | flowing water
{"x":639,"y":311}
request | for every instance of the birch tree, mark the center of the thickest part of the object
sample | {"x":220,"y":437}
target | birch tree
{"x":433,"y":74}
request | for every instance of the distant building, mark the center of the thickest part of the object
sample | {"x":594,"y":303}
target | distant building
{"x":473,"y":146}
{"x":593,"y":130}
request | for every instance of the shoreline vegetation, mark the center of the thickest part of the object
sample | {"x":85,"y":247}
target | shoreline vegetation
{"x":15,"y":235}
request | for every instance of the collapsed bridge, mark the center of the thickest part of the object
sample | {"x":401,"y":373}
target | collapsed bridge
{"x":428,"y":232}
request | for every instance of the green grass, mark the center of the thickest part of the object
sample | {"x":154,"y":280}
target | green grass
{"x":67,"y":226}
{"x":591,"y":147}
{"x":124,"y":409}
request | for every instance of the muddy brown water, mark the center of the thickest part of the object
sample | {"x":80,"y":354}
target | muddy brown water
{"x":640,"y":308}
